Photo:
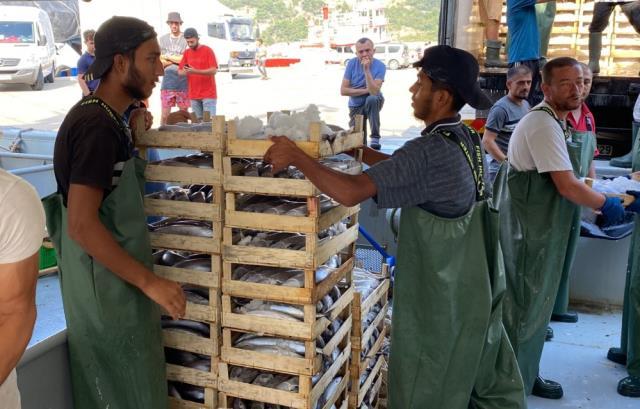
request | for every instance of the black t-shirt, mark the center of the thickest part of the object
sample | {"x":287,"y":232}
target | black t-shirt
{"x":92,"y":145}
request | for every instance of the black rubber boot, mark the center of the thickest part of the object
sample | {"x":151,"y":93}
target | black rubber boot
{"x":630,"y":387}
{"x":547,"y":389}
{"x":492,"y":55}
{"x":568,"y":316}
{"x":549,"y":334}
{"x":595,"y":50}
{"x":616,"y":355}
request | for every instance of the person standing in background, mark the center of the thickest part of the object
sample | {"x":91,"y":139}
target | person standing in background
{"x":87,"y":87}
{"x":261,"y":56}
{"x":173,"y":89}
{"x":200,"y":67}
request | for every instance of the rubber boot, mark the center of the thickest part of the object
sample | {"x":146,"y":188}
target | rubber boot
{"x":617,"y":355}
{"x":492,"y":54}
{"x":547,"y":389}
{"x":624,"y":161}
{"x":595,"y":50}
{"x":548,"y":336}
{"x":630,"y":387}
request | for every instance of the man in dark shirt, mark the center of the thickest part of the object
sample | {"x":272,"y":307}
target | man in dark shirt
{"x":97,"y":223}
{"x":449,"y":347}
{"x":85,"y":61}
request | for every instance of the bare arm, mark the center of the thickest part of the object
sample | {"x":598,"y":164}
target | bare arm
{"x":347,"y":91}
{"x":348,"y":190}
{"x":575,"y":191}
{"x":592,"y":171}
{"x":17,"y":310}
{"x":372,"y":156}
{"x":373,"y":86}
{"x":209,"y":71}
{"x":83,"y":85}
{"x":489,"y":143}
{"x":87,"y":230}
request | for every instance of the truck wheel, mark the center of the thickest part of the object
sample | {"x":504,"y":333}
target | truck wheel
{"x":51,"y":77}
{"x":234,"y":76}
{"x":394,"y":65}
{"x":39,"y":84}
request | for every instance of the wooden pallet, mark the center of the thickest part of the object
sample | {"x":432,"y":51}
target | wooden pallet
{"x":314,"y":147}
{"x":360,"y":338}
{"x":309,"y":329}
{"x":311,"y":293}
{"x":209,"y":245}
{"x":307,"y":394}
{"x":210,"y":401}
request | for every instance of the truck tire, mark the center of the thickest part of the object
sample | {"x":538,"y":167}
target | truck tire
{"x":39,"y":84}
{"x":234,"y":76}
{"x":393,"y":65}
{"x":49,"y":79}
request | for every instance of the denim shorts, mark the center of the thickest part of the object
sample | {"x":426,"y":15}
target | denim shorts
{"x":200,"y":105}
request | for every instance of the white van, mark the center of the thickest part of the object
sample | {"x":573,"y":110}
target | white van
{"x":27,"y":48}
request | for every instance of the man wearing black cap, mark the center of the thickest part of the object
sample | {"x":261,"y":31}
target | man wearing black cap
{"x":96,"y":220}
{"x":449,"y":347}
{"x":200,"y":67}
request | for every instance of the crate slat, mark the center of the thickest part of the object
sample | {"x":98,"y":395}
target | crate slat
{"x":186,"y":243}
{"x":187,"y":276}
{"x":186,"y":210}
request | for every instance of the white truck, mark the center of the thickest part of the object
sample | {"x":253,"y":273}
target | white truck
{"x":229,"y":35}
{"x":27,"y":47}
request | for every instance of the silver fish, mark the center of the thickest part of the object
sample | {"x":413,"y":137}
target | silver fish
{"x":289,"y":385}
{"x":196,"y":327}
{"x":198,"y":264}
{"x":241,"y":374}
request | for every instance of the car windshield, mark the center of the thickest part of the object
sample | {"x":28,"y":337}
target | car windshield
{"x":16,"y":32}
{"x":241,"y":32}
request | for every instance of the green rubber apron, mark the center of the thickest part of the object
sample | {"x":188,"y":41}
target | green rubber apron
{"x":585,"y":142}
{"x":536,"y":227}
{"x":630,"y":336}
{"x":113,"y":330}
{"x":449,"y":348}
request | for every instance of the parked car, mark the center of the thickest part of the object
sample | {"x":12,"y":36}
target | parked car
{"x":394,"y":55}
{"x":27,"y":47}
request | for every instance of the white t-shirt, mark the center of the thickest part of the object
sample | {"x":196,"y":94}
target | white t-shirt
{"x":22,"y":220}
{"x":22,"y":227}
{"x":538,"y":143}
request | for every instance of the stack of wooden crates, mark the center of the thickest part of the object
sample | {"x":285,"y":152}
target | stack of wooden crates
{"x":225,"y":323}
{"x":213,"y":143}
{"x":309,"y":259}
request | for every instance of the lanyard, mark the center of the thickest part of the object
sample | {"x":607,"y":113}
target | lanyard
{"x":477,"y":165}
{"x":124,"y":128}
{"x":565,"y":131}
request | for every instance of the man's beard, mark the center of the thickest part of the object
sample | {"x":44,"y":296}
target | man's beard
{"x":133,"y":84}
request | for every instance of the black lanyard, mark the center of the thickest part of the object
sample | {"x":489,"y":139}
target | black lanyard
{"x":477,"y":165}
{"x":565,"y":131}
{"x":122,"y":126}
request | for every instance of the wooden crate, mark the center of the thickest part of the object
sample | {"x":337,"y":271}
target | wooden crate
{"x":309,"y":365}
{"x":311,"y":293}
{"x":210,"y":401}
{"x":309,"y":329}
{"x":209,"y":245}
{"x":373,"y":383}
{"x":307,"y":394}
{"x":314,"y":147}
{"x":360,"y":338}
{"x":203,"y":141}
{"x":313,"y":222}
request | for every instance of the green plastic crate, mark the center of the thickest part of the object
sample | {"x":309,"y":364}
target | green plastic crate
{"x":47,"y":258}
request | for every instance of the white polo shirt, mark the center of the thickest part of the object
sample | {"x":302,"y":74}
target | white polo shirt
{"x":538,"y":143}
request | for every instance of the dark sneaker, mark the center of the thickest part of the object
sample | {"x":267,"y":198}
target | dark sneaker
{"x":630,"y":387}
{"x":547,"y":389}
{"x":375,"y":144}
{"x":570,"y":317}
{"x":549,"y":335}
{"x":617,"y":355}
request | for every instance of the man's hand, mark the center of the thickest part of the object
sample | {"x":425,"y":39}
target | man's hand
{"x":178,"y":116}
{"x":366,"y":63}
{"x":282,"y":153}
{"x":135,"y":116}
{"x":168,"y":294}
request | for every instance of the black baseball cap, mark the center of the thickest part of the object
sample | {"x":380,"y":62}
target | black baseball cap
{"x":117,"y":35}
{"x":457,"y":68}
{"x":190,"y":33}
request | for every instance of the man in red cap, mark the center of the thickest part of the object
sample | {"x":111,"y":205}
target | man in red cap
{"x":97,"y":223}
{"x":449,"y":347}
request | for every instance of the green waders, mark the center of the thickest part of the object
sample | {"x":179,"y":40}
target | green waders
{"x":535,"y":233}
{"x":630,"y":337}
{"x":581,"y":164}
{"x":113,"y":329}
{"x":545,"y":14}
{"x":449,"y":349}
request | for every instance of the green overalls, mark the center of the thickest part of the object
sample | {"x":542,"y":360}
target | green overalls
{"x":535,"y":233}
{"x":449,"y":349}
{"x":113,"y":330}
{"x":581,"y":164}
